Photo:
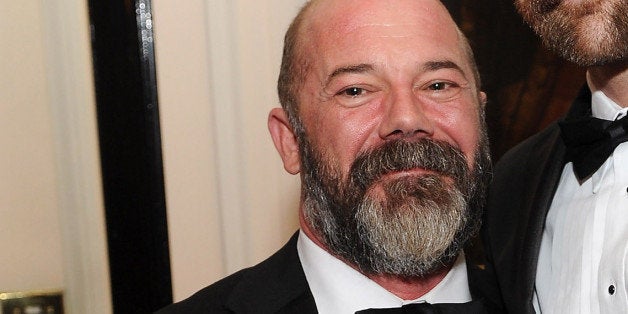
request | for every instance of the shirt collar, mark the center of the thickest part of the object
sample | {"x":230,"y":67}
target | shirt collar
{"x":605,"y":108}
{"x":338,"y":288}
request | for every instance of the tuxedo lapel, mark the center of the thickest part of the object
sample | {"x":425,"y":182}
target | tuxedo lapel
{"x":521,"y":193}
{"x":482,"y":283}
{"x":277,"y":285}
{"x":552,"y":156}
{"x":524,"y":183}
{"x":545,"y":166}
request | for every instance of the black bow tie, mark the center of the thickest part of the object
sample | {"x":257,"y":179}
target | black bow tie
{"x":590,"y":141}
{"x":473,"y":307}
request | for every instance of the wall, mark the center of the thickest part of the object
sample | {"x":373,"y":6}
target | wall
{"x":30,"y":235}
{"x":51,"y":212}
{"x":230,"y":203}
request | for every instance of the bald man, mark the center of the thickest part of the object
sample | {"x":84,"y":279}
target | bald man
{"x":383,"y":118}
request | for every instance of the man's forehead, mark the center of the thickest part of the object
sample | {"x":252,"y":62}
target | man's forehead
{"x":332,"y":20}
{"x":339,"y":26}
{"x":344,"y":13}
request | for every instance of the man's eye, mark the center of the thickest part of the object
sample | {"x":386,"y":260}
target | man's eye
{"x":441,"y":90}
{"x":439,"y":86}
{"x":352,"y":91}
{"x":355,"y":96}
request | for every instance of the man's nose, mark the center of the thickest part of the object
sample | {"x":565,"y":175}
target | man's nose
{"x":405,"y":117}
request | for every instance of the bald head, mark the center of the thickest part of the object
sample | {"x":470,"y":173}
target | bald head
{"x":318,"y":19}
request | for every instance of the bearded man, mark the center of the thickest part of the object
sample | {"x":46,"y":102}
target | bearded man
{"x":556,"y":221}
{"x":383,"y":117}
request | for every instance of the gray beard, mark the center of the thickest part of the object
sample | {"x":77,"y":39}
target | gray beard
{"x":414,"y":238}
{"x":408,"y":227}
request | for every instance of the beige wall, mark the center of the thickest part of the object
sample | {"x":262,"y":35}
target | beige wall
{"x":230,"y":203}
{"x":51,"y":218}
{"x":30,"y":235}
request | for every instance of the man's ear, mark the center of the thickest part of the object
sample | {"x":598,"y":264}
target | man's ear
{"x":284,"y":139}
{"x":483,"y":99}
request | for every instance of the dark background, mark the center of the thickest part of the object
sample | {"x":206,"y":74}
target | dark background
{"x":527,"y":86}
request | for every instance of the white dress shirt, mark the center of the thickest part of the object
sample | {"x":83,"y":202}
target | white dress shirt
{"x":339,"y":289}
{"x":583,"y":261}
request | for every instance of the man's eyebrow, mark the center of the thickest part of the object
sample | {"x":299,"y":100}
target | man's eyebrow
{"x":442,"y":64}
{"x":356,"y":68}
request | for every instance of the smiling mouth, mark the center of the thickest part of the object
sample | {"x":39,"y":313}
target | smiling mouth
{"x":414,"y":172}
{"x":406,"y":178}
{"x":409,"y":172}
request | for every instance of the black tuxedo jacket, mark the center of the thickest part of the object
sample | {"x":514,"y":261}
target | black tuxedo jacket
{"x":523,"y":187}
{"x":278,"y":285}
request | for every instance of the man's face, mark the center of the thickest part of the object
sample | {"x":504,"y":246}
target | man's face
{"x":393,"y":126}
{"x":586,"y":32}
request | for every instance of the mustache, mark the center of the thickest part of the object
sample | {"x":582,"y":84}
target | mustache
{"x":402,"y":155}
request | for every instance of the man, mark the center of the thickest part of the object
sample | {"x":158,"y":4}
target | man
{"x":383,"y":118}
{"x":557,"y":225}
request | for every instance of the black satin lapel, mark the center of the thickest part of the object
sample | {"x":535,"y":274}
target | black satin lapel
{"x":303,"y":304}
{"x":548,"y":166}
{"x":482,"y":281}
{"x":276,"y":286}
{"x":546,"y":163}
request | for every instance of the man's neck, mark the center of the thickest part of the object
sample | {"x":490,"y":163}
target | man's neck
{"x":410,"y":289}
{"x":611,"y":79}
